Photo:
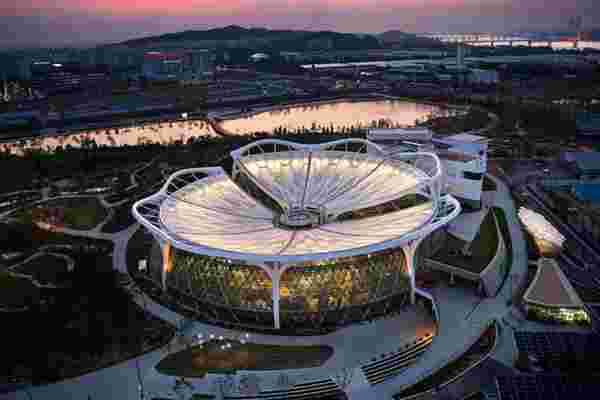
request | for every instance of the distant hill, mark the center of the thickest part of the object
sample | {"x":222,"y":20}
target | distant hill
{"x":259,"y":39}
{"x":399,"y":39}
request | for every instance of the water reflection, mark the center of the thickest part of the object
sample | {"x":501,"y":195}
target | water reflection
{"x":321,"y":115}
{"x":325,"y":115}
{"x":164,"y":133}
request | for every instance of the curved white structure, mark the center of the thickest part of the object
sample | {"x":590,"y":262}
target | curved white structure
{"x":289,"y":204}
{"x":541,"y":229}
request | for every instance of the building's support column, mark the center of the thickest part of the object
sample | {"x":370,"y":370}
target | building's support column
{"x":410,"y":253}
{"x":275,"y":277}
{"x":167,"y":261}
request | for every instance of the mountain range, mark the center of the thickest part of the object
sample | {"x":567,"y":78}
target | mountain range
{"x":262,"y":39}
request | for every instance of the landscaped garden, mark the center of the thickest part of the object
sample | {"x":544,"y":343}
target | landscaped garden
{"x":28,"y":238}
{"x":80,"y":213}
{"x":17,"y":292}
{"x":482,"y":249}
{"x":46,"y":269}
{"x":199,"y":360}
{"x":92,"y":324}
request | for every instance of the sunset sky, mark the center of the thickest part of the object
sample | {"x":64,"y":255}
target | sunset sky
{"x":79,"y":22}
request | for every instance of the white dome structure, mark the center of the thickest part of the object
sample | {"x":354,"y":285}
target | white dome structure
{"x":547,"y":237}
{"x":294,"y":216}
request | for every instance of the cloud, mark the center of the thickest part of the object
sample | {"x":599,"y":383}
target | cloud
{"x":67,"y":22}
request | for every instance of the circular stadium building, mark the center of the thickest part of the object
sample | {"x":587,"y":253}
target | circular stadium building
{"x":297,"y":237}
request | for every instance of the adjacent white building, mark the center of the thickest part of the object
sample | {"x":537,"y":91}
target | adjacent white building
{"x":464,"y":157}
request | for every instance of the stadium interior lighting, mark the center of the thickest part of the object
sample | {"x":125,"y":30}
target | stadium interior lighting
{"x":309,"y":228}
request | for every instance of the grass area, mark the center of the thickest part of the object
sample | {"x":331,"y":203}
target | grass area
{"x":452,"y":370}
{"x":198,"y":361}
{"x":81,"y":213}
{"x":16,"y":291}
{"x":92,"y":324}
{"x":505,"y":232}
{"x":488,"y":184}
{"x":46,"y":269}
{"x":28,"y":238}
{"x":483,"y":248}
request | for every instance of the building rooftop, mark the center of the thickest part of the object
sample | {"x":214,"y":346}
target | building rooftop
{"x":548,"y":387}
{"x":585,"y":161}
{"x":467,"y":137}
{"x":551,"y":288}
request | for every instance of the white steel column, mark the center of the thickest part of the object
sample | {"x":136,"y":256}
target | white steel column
{"x":275,"y":277}
{"x":410,"y":252}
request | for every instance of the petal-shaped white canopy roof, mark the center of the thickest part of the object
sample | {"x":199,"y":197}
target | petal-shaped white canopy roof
{"x":212,"y":215}
{"x":539,"y":227}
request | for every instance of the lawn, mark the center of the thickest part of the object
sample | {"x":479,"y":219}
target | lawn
{"x":16,"y":291}
{"x":197,"y":361}
{"x":46,"y":269}
{"x":483,"y":248}
{"x":80,"y":213}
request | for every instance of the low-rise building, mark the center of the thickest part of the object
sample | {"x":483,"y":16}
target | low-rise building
{"x":50,"y":78}
{"x":585,"y":165}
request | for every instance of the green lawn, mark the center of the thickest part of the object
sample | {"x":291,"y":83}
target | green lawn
{"x":16,"y":291}
{"x":81,"y":213}
{"x":483,"y":248}
{"x":197,"y":361}
{"x":46,"y":269}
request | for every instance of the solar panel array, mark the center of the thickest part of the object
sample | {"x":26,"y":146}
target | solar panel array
{"x":561,"y":351}
{"x":548,"y":387}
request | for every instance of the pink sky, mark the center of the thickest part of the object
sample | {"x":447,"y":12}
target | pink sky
{"x":87,"y":21}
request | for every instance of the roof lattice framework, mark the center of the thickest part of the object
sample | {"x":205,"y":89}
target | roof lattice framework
{"x":206,"y":212}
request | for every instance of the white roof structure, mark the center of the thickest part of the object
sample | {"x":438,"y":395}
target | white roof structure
{"x":204,"y":211}
{"x":412,"y":133}
{"x":467,"y":137}
{"x":540,"y":228}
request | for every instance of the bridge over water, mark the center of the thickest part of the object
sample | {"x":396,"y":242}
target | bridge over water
{"x":492,"y":40}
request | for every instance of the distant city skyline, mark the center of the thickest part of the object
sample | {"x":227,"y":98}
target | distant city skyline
{"x":89,"y":22}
